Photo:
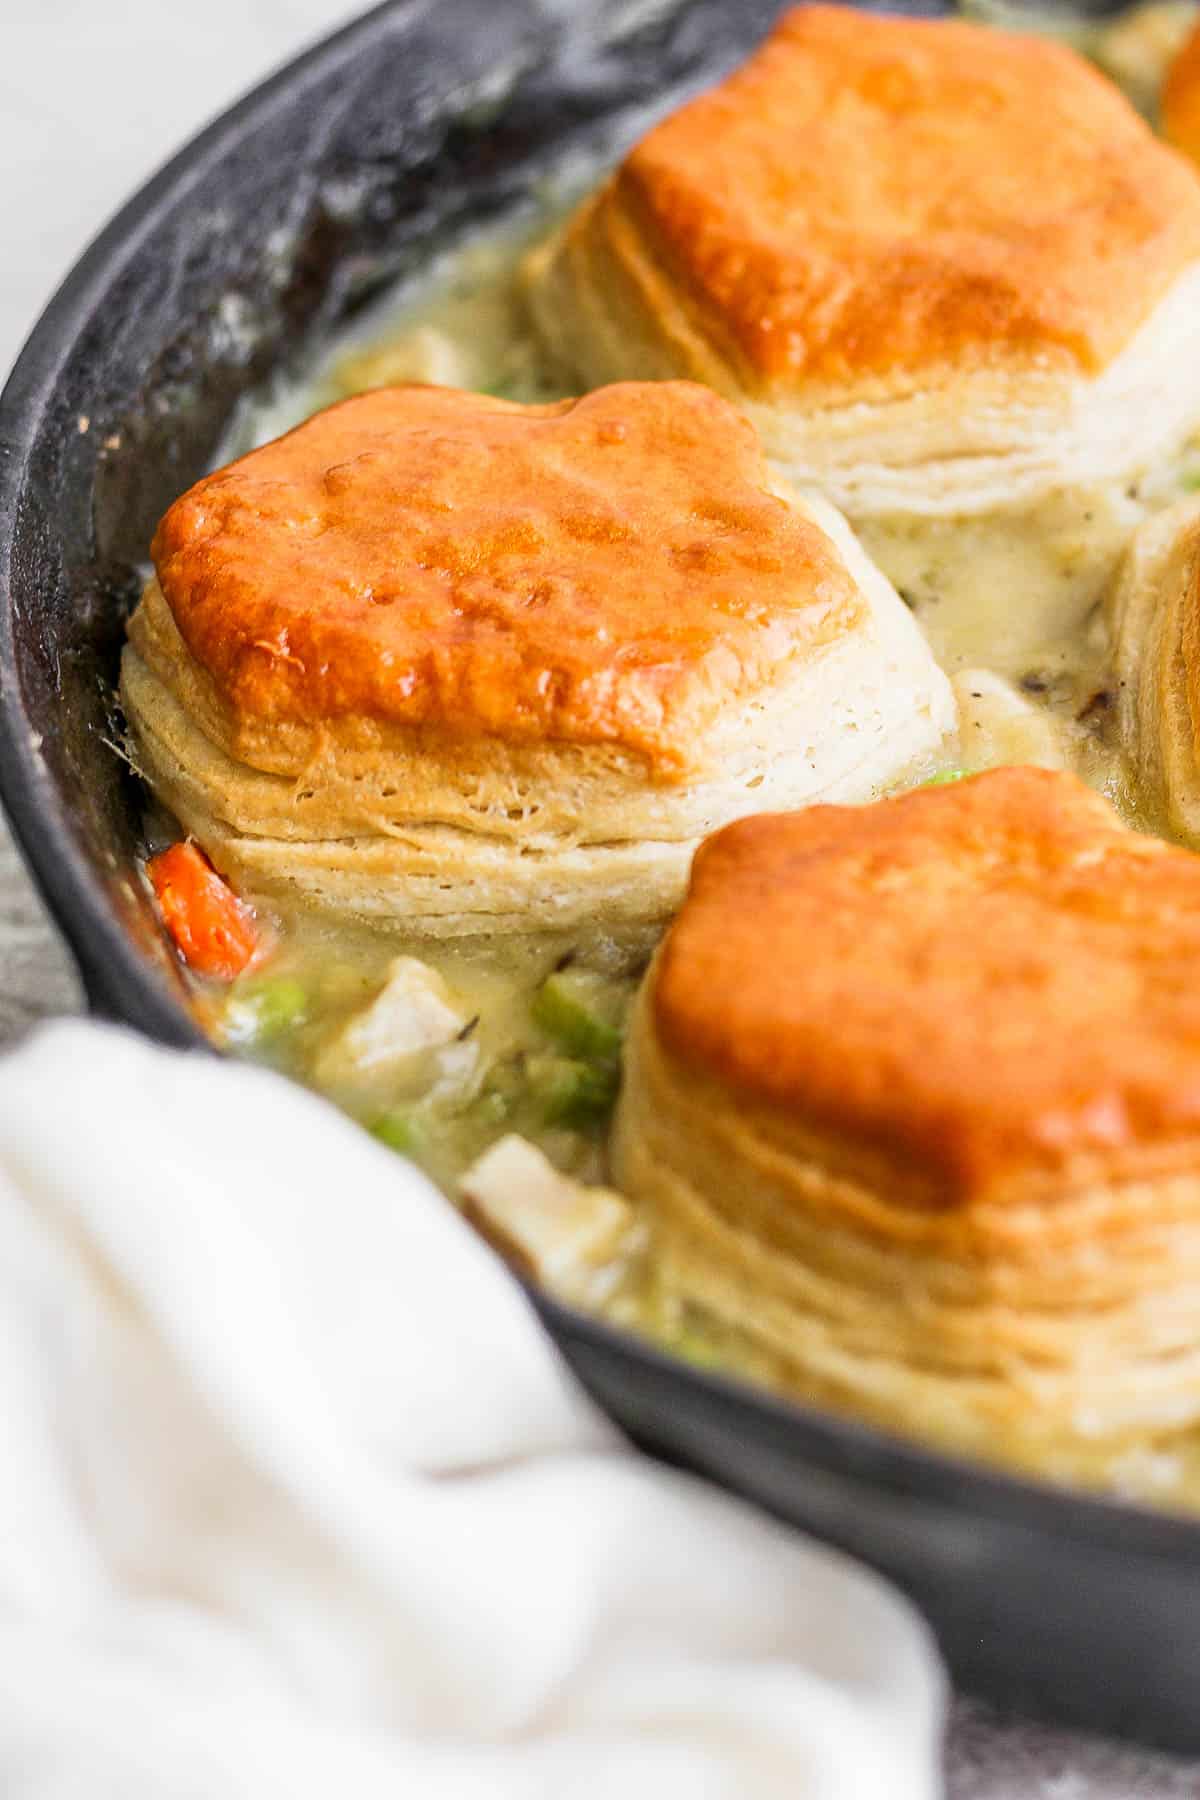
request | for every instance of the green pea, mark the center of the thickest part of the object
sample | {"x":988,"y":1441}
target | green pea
{"x":265,"y":1008}
{"x":567,"y":1008}
{"x":399,"y":1131}
{"x":570,"y":1092}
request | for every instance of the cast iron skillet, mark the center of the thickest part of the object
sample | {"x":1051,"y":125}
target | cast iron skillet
{"x":338,"y":176}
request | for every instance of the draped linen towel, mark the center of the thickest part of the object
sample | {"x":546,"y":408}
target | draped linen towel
{"x":299,"y":1500}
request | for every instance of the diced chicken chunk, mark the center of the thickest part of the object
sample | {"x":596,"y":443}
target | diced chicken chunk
{"x":573,"y":1239}
{"x":412,"y":1016}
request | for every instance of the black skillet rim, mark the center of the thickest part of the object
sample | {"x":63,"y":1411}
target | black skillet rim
{"x":122,"y":986}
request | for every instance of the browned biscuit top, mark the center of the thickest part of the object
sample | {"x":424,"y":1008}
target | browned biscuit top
{"x":1181,"y":99}
{"x":994,"y":983}
{"x":610,"y":570}
{"x":871,"y":196}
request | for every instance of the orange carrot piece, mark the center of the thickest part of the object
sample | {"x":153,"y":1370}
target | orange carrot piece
{"x":212,"y":929}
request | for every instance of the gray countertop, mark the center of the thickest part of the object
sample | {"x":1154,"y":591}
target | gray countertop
{"x":91,"y":98}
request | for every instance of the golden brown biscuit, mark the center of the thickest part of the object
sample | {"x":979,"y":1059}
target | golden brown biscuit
{"x":943,"y":268}
{"x":1180,"y":107}
{"x":912,"y":1102}
{"x":1154,"y":627}
{"x":446,"y":661}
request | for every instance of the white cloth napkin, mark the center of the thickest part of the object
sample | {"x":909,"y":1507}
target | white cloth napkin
{"x":298,"y":1500}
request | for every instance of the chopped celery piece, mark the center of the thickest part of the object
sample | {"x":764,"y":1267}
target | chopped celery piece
{"x":946,"y":777}
{"x":399,"y":1131}
{"x":569,"y":1007}
{"x":569,"y":1092}
{"x":1189,"y":479}
{"x":264,"y":1008}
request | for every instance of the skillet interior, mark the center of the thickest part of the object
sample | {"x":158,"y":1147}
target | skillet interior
{"x":268,"y":231}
